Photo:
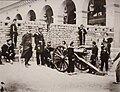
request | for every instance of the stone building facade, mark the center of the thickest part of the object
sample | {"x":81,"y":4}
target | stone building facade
{"x":35,"y":10}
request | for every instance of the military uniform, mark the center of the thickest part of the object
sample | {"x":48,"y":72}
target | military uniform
{"x":39,"y":47}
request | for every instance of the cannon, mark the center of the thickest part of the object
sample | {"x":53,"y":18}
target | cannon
{"x":60,"y":59}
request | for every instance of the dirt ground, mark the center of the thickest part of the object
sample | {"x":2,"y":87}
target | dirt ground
{"x":18,"y":78}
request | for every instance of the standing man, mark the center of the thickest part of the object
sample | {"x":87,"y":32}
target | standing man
{"x":104,"y":56}
{"x":39,"y":46}
{"x":71,"y":67}
{"x":27,"y":47}
{"x":94,"y":55}
{"x":13,"y":32}
{"x":82,"y":32}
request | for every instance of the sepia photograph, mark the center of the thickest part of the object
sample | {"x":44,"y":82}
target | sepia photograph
{"x":59,"y":45}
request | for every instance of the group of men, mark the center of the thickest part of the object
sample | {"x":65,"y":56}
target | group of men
{"x":43,"y":52}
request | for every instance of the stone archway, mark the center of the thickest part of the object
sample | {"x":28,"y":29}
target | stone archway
{"x":18,"y":17}
{"x":96,"y":12}
{"x":66,"y":14}
{"x":85,"y":11}
{"x":31,"y":16}
{"x":47,"y":14}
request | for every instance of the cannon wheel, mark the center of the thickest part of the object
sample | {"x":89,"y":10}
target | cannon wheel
{"x":60,"y":59}
{"x":81,"y":66}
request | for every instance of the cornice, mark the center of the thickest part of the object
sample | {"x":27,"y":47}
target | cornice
{"x":16,"y":5}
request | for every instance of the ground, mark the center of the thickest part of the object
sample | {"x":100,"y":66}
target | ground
{"x":18,"y":78}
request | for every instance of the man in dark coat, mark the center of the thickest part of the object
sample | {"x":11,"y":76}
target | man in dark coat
{"x":47,"y":55}
{"x":94,"y":55}
{"x":8,"y":51}
{"x":104,"y":56}
{"x":71,"y":67}
{"x":39,"y":46}
{"x":13,"y":32}
{"x":27,"y":47}
{"x":82,"y":32}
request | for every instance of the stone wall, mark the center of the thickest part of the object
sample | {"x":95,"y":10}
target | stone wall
{"x":59,"y":33}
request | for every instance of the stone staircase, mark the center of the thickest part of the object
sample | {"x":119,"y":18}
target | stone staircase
{"x":56,"y":34}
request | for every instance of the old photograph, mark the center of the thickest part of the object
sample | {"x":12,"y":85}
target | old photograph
{"x":59,"y":45}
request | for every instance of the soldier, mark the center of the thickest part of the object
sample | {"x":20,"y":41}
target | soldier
{"x":71,"y":67}
{"x":13,"y":32}
{"x":39,"y":46}
{"x":8,"y":51}
{"x":104,"y":56}
{"x":47,"y":55}
{"x":27,"y":47}
{"x":94,"y":55}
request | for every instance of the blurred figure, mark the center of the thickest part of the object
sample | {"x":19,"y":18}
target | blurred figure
{"x":39,"y":46}
{"x":117,"y":69}
{"x":0,"y":58}
{"x":3,"y":87}
{"x":94,"y":55}
{"x":47,"y":54}
{"x":8,"y":51}
{"x":71,"y":67}
{"x":13,"y":32}
{"x":64,"y":44}
{"x":27,"y":47}
{"x":104,"y":56}
{"x":82,"y":32}
{"x":109,"y":41}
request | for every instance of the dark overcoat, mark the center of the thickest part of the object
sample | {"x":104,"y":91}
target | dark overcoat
{"x":27,"y":45}
{"x":39,"y":42}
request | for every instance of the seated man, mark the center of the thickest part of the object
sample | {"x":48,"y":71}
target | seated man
{"x":8,"y":51}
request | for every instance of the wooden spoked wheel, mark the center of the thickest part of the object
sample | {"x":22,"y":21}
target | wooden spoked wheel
{"x":60,"y":59}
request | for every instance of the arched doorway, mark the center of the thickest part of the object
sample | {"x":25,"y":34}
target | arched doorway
{"x":96,"y":12}
{"x":18,"y":17}
{"x":47,"y":14}
{"x":31,"y":16}
{"x":67,"y":12}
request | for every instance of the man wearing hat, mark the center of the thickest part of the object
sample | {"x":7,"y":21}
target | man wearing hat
{"x":39,"y":45}
{"x":8,"y":51}
{"x":82,"y":32}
